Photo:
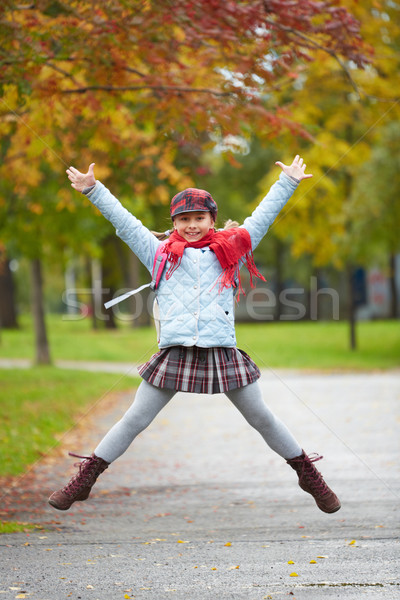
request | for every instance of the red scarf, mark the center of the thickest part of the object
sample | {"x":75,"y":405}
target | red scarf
{"x":232,"y":247}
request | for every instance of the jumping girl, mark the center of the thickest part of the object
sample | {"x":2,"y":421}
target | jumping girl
{"x":197,"y":342}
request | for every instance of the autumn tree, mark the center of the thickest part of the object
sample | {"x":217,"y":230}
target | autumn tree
{"x":332,"y":220}
{"x":129,"y":84}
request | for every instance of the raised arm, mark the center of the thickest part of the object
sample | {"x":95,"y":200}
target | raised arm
{"x":139,"y":239}
{"x":271,"y":205}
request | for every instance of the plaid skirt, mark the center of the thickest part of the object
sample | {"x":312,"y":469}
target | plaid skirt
{"x":200,"y":370}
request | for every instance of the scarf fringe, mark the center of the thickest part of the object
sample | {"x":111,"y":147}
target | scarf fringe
{"x":231,"y":274}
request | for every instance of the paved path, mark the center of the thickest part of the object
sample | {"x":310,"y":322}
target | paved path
{"x":199,"y":508}
{"x":127,"y":369}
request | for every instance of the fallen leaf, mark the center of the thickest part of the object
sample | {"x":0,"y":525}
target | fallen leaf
{"x":228,"y":544}
{"x":214,"y":569}
{"x":352,"y":543}
{"x":313,"y":562}
{"x":290,"y":562}
{"x":182,"y":541}
{"x":322,"y":556}
{"x":89,"y":587}
{"x":293,"y":575}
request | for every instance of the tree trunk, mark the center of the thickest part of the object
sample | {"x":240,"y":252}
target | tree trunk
{"x":94,"y":278}
{"x":394,"y":301}
{"x":139,"y":304}
{"x":279,"y":251}
{"x":8,"y":313}
{"x":110,"y":276}
{"x":351,"y":313}
{"x":42,"y":354}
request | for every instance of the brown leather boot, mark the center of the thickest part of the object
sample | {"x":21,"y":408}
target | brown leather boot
{"x":311,"y":481}
{"x":79,"y":486}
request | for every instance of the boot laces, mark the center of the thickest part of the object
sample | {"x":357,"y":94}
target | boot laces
{"x":313,"y":476}
{"x":84,"y":477}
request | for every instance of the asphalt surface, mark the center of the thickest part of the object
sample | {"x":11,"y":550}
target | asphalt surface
{"x":200,"y":508}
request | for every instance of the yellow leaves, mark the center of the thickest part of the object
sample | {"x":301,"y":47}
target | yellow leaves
{"x":313,"y":562}
{"x":182,"y":541}
{"x":228,"y":544}
{"x":293,"y":574}
{"x":162,"y":194}
{"x":35,"y":208}
{"x":178,"y":33}
{"x":290,"y":562}
{"x":9,"y":99}
{"x":352,"y":543}
{"x":98,"y":142}
{"x":36,"y":148}
{"x":168,"y":171}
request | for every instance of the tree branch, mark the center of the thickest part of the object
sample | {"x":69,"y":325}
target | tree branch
{"x":162,"y":88}
{"x":62,"y":71}
{"x":316,"y":46}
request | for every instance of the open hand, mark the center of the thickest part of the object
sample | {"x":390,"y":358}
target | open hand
{"x":80,"y":181}
{"x":296,"y":169}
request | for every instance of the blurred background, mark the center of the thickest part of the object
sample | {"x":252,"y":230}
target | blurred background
{"x":163,"y":96}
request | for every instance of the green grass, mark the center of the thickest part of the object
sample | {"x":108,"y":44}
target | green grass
{"x":310,"y":345}
{"x":14,"y":526}
{"x":76,"y":340}
{"x":39,"y":404}
{"x":322,"y":346}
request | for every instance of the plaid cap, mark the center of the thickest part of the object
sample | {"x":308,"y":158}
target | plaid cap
{"x":191,"y":200}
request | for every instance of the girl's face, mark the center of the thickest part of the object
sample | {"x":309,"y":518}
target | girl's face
{"x":193,"y":226}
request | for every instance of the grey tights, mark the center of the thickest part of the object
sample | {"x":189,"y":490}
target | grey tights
{"x":149,"y":400}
